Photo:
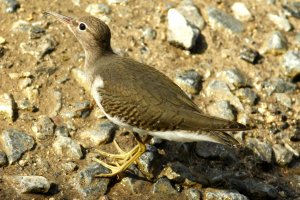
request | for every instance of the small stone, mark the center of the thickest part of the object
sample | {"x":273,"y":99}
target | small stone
{"x":36,"y":32}
{"x":275,"y":43}
{"x":43,"y":127}
{"x":57,"y":95}
{"x":67,"y":148}
{"x":99,"y":135}
{"x":29,"y":184}
{"x":180,"y":32}
{"x":261,"y":149}
{"x":163,"y":186}
{"x":280,"y":21}
{"x":250,"y":55}
{"x":15,"y":144}
{"x":2,"y":40}
{"x":291,"y":63}
{"x":283,"y":156}
{"x":32,"y":93}
{"x":79,"y":110}
{"x":216,"y":194}
{"x":232,"y":77}
{"x":191,"y":13}
{"x":21,"y":26}
{"x":62,"y":131}
{"x":283,"y":99}
{"x":76,"y":2}
{"x":82,"y":78}
{"x":3,"y":159}
{"x":189,"y":81}
{"x":8,"y":106}
{"x":116,"y":1}
{"x":222,"y":109}
{"x":247,"y":95}
{"x":88,"y":185}
{"x":192,"y":194}
{"x":146,"y":160}
{"x":218,"y":18}
{"x":149,"y":33}
{"x":38,"y":48}
{"x":133,"y":185}
{"x":11,"y":6}
{"x":292,"y":8}
{"x":296,"y":135}
{"x":25,"y":82}
{"x":69,"y":167}
{"x":241,"y":12}
{"x":278,"y":85}
{"x":97,"y":8}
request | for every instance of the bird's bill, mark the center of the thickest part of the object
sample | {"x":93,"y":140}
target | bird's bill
{"x":64,"y":19}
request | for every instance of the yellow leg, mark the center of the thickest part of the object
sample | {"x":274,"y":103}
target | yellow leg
{"x":120,"y":162}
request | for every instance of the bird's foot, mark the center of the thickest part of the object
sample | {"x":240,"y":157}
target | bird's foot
{"x":120,"y":162}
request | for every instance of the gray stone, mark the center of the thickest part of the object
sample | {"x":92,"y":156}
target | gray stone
{"x":89,"y":186}
{"x":261,"y":149}
{"x":291,"y":63}
{"x":25,"y":82}
{"x":222,"y":109}
{"x":193,"y":194}
{"x":21,"y":26}
{"x":180,"y":32}
{"x":11,"y":6}
{"x":29,"y":184}
{"x":67,"y":148}
{"x":39,"y":48}
{"x":15,"y":144}
{"x":247,"y":95}
{"x":25,"y":104}
{"x":69,"y":167}
{"x":149,"y":33}
{"x":97,"y":8}
{"x":283,"y":99}
{"x":8,"y":106}
{"x":191,"y":13}
{"x":98,"y":135}
{"x":218,"y":18}
{"x":275,"y":43}
{"x":280,"y":21}
{"x":283,"y":155}
{"x":250,"y":55}
{"x":163,"y":186}
{"x":216,"y":194}
{"x":232,"y":77}
{"x":278,"y":85}
{"x":43,"y":127}
{"x":79,"y":110}
{"x":36,"y":32}
{"x":209,"y":150}
{"x":133,"y":185}
{"x":189,"y":81}
{"x":146,"y":160}
{"x":62,"y":131}
{"x":292,"y":8}
{"x":3,"y":159}
{"x":241,"y":12}
{"x":57,"y":95}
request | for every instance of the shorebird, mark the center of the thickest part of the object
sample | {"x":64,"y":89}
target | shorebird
{"x":139,"y":98}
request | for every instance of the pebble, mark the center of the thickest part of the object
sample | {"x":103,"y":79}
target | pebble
{"x":43,"y":127}
{"x":280,"y":21}
{"x":218,"y":19}
{"x":98,"y":135}
{"x":282,"y":155}
{"x":291,"y":63}
{"x":180,"y":32}
{"x":217,"y":194}
{"x":232,"y":77}
{"x":36,"y":32}
{"x":284,"y":99}
{"x":250,"y":55}
{"x":2,"y":40}
{"x":218,"y":90}
{"x":38,"y":48}
{"x":8,"y":106}
{"x":15,"y":144}
{"x":25,"y":82}
{"x":146,"y":160}
{"x":189,"y":81}
{"x":278,"y":85}
{"x":3,"y":159}
{"x":61,"y":131}
{"x":275,"y":44}
{"x":247,"y":95}
{"x":222,"y":109}
{"x":149,"y":33}
{"x":241,"y":12}
{"x":79,"y":110}
{"x":21,"y":26}
{"x":76,"y":2}
{"x":292,"y":8}
{"x":89,"y":186}
{"x":163,"y":186}
{"x":191,"y":13}
{"x":32,"y":93}
{"x":29,"y":184}
{"x":25,"y":104}
{"x":57,"y":95}
{"x":134,"y":185}
{"x":263,"y":150}
{"x":192,"y":194}
{"x":110,"y":2}
{"x":67,"y":148}
{"x":11,"y":6}
{"x":97,"y":8}
{"x":69,"y":167}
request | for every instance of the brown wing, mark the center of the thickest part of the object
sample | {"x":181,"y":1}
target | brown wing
{"x":146,"y":98}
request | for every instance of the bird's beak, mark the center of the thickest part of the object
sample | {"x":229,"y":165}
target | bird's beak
{"x":64,"y":19}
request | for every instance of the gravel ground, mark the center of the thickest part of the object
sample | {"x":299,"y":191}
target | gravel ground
{"x":236,"y":60}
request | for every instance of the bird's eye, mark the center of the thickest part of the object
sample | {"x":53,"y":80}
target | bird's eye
{"x":82,"y":26}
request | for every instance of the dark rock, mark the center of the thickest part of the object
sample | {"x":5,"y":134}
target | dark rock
{"x":250,"y":55}
{"x":11,"y":6}
{"x":163,"y":186}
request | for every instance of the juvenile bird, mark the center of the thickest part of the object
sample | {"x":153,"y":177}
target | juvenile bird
{"x":139,"y":98}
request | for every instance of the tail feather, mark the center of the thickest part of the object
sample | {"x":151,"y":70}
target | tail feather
{"x":222,"y":138}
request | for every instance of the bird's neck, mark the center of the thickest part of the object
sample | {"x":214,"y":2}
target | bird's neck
{"x":93,"y":55}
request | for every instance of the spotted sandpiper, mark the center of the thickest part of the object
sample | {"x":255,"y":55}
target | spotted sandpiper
{"x":139,"y":98}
